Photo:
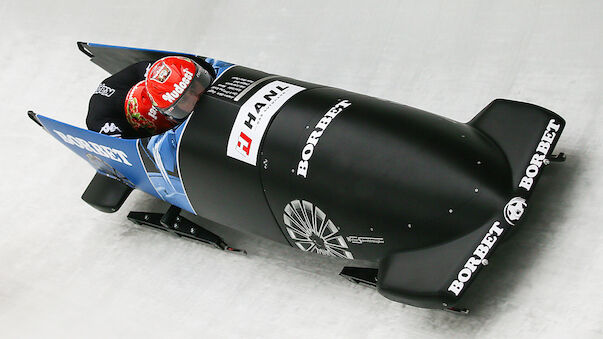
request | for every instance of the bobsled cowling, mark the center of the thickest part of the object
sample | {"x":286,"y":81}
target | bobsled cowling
{"x":328,"y":171}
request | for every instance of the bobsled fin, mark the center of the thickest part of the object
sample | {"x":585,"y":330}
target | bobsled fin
{"x":437,"y":276}
{"x":518,"y":128}
{"x":115,"y":58}
{"x":106,"y":194}
{"x":33,"y":116}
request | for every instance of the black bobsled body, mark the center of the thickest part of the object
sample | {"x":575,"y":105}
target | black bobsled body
{"x":343,"y":174}
{"x":425,"y":167}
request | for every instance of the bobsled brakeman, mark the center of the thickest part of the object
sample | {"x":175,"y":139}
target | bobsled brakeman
{"x":423,"y":198}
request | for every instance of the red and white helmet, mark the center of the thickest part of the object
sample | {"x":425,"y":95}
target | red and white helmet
{"x":141,"y":114}
{"x":175,"y":84}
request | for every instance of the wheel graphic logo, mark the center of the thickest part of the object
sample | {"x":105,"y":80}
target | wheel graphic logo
{"x":312,"y":231}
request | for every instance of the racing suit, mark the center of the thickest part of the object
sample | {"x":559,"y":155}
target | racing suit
{"x":106,"y":111}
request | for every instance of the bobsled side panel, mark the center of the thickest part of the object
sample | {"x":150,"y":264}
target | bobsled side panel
{"x":160,"y":159}
{"x":114,"y":157}
{"x":132,"y":162}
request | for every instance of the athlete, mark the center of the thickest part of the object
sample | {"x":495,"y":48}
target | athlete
{"x":147,"y":98}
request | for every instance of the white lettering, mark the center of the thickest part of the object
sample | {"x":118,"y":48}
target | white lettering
{"x":104,"y":90}
{"x":179,"y":88}
{"x":302,"y":168}
{"x":542,"y":150}
{"x":102,"y":150}
{"x":456,"y":287}
{"x":474,"y":261}
{"x":464,"y":275}
{"x":253,"y":119}
{"x":321,"y":126}
{"x":364,"y":240}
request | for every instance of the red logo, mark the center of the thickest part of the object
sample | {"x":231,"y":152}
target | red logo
{"x":244,"y":144}
{"x":161,"y":73}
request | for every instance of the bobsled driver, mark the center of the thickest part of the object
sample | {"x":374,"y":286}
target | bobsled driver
{"x":146,"y":99}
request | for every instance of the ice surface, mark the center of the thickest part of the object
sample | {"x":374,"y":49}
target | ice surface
{"x":67,"y":270}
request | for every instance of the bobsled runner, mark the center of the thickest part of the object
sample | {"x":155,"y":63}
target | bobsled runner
{"x":424,"y":198}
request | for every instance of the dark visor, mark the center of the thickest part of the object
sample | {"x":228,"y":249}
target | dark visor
{"x":180,"y":109}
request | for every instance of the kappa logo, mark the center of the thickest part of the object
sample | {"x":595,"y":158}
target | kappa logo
{"x":104,"y":90}
{"x":109,"y":128}
{"x":514,"y":210}
{"x":254,"y":117}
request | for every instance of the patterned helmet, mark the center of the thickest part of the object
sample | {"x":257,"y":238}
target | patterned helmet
{"x":175,"y":85}
{"x":142,"y":115}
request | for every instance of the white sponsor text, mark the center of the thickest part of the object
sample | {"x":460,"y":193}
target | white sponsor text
{"x":364,"y":240}
{"x":476,"y":259}
{"x":321,"y":126}
{"x":179,"y":88}
{"x":541,"y":152}
{"x":104,"y":151}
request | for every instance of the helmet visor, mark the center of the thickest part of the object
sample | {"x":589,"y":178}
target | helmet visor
{"x":180,"y":109}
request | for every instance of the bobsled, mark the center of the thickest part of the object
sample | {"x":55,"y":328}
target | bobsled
{"x":422,"y":198}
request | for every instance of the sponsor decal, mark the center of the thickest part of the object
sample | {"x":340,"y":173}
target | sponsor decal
{"x":364,"y":240}
{"x":153,"y":112}
{"x":244,"y":144}
{"x":104,"y":90}
{"x":179,"y":88}
{"x":543,"y":148}
{"x":102,"y":150}
{"x":311,"y":230}
{"x":253,"y":118}
{"x":476,"y":259}
{"x":161,"y":74}
{"x":314,"y":138}
{"x":514,"y":210}
{"x":109,"y":128}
